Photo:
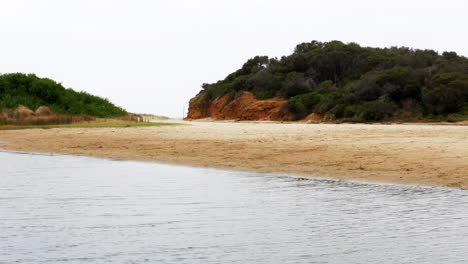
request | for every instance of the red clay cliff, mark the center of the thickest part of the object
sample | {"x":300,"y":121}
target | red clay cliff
{"x":245,"y":107}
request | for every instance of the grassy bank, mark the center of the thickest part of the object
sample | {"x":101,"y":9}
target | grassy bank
{"x":32,"y":92}
{"x":96,"y":124}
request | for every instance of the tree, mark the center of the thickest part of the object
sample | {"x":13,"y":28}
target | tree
{"x":351,"y":81}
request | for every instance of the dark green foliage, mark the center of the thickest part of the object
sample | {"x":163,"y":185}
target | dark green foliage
{"x":31,"y":91}
{"x":302,"y":105}
{"x":354,"y":82}
{"x":378,"y":110}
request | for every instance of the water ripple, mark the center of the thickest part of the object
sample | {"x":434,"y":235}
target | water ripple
{"x":65,"y":209}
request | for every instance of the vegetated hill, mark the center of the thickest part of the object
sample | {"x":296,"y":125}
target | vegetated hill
{"x":347,"y":82}
{"x":31,"y":91}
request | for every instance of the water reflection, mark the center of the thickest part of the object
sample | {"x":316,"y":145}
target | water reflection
{"x":64,"y":209}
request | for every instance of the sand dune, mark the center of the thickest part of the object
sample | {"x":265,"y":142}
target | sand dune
{"x":412,"y":154}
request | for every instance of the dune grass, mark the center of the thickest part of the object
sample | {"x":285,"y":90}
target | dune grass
{"x":97,"y":124}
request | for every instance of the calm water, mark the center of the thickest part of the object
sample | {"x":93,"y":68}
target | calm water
{"x":65,"y":209}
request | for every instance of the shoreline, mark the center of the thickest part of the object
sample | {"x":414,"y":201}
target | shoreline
{"x":272,"y":174}
{"x":406,"y":154}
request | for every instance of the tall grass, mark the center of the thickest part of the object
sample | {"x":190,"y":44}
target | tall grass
{"x":92,"y":124}
{"x":24,"y":116}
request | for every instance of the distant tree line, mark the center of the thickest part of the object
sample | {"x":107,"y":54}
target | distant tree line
{"x":31,"y":91}
{"x":353,"y":82}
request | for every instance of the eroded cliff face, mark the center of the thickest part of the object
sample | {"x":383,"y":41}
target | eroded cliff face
{"x":245,"y":107}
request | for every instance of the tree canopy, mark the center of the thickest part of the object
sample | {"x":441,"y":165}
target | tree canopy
{"x":31,"y":91}
{"x":353,"y":82}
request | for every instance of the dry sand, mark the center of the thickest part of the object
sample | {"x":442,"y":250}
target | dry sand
{"x":434,"y":155}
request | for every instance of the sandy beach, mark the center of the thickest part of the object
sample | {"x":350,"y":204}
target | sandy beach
{"x":435,"y":155}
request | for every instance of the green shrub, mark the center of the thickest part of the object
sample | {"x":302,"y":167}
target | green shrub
{"x":264,"y":94}
{"x":354,"y":111}
{"x":32,"y":91}
{"x":302,"y":105}
{"x":353,"y":81}
{"x":378,"y":111}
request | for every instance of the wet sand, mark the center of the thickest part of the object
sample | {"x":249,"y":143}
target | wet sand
{"x":435,"y":155}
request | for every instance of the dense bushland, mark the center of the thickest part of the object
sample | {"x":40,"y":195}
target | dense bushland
{"x":31,"y":91}
{"x":354,"y":83}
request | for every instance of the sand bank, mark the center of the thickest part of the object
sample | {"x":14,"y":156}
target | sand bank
{"x":434,"y":155}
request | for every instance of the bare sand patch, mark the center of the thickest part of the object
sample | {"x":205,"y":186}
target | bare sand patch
{"x":434,"y":155}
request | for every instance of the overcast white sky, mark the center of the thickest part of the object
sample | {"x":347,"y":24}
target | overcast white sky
{"x":151,"y":56}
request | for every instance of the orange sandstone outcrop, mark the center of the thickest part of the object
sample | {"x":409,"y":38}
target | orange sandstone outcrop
{"x":317,"y":118}
{"x":244,"y":107}
{"x":313,"y":118}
